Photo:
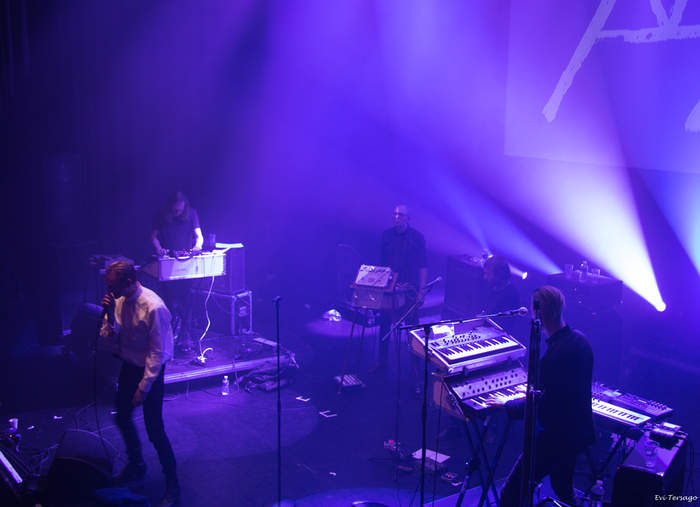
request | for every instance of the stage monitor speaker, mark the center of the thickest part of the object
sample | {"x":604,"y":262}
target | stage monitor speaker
{"x":83,"y":463}
{"x":233,"y":280}
{"x":650,"y":480}
{"x":465,"y":289}
{"x":594,"y":293}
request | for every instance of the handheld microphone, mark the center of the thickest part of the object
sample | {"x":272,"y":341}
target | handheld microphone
{"x":521,"y":312}
{"x":105,"y":310}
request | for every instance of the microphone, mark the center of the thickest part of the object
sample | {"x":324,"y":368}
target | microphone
{"x":430,"y":284}
{"x":105,"y":310}
{"x":522,"y":312}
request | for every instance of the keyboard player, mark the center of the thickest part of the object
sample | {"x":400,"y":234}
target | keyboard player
{"x":403,"y":249}
{"x":177,"y":228}
{"x":565,"y":417}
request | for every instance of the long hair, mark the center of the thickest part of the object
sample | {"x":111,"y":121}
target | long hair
{"x":175,"y":198}
{"x":500,"y":267}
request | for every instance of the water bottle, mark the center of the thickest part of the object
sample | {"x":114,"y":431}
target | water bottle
{"x":650,"y":447}
{"x":597,"y":492}
{"x":225,"y":386}
{"x":584,"y":270}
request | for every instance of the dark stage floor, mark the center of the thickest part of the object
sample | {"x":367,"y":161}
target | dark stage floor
{"x":226,"y":446}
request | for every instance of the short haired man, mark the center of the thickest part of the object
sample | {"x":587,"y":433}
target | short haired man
{"x":137,"y":328}
{"x":565,"y":415}
{"x":403,"y":249}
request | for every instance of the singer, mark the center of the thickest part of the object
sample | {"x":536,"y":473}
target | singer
{"x":136,"y":324}
{"x":565,"y":416}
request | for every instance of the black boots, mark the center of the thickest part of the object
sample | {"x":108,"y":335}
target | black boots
{"x":171,"y":498}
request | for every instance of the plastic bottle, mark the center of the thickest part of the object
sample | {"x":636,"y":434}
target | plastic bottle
{"x":584,"y":270}
{"x":225,"y":386}
{"x":650,"y":447}
{"x":597,"y":493}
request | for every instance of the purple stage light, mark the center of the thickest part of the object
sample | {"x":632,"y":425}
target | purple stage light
{"x":677,"y":195}
{"x":517,"y":272}
{"x":590,"y":208}
{"x":487,"y":223}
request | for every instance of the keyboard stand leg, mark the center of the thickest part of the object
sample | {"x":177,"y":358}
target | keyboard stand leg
{"x":476,"y":454}
{"x":489,"y":473}
{"x":492,"y":468}
{"x":362,"y":340}
{"x":347,"y":356}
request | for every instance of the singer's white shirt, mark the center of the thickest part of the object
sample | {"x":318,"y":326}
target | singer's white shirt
{"x":141,"y":333}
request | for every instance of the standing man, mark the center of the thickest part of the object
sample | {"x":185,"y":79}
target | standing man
{"x":176,"y":229}
{"x":137,"y":328}
{"x":564,"y":416}
{"x":403,"y":250}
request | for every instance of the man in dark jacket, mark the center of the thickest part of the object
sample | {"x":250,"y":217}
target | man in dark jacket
{"x":565,"y":416}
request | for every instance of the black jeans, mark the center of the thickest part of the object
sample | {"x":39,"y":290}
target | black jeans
{"x":177,"y":295}
{"x":129,"y":378}
{"x":551,"y":458}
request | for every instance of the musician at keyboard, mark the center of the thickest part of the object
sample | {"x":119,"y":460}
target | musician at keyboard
{"x":403,"y":249}
{"x":565,"y":418}
{"x":501,"y":294}
{"x":177,"y":228}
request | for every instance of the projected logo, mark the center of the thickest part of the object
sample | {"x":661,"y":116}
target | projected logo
{"x":669,"y":28}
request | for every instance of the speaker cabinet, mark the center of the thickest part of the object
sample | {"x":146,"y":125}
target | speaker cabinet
{"x":83,"y":463}
{"x":645,"y":481}
{"x":233,"y":280}
{"x":465,"y":291}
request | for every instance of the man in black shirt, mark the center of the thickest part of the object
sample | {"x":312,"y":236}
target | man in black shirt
{"x":565,"y":416}
{"x":176,"y":229}
{"x":403,"y":250}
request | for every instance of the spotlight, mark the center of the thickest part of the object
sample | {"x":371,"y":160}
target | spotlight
{"x":661,"y":306}
{"x":524,"y":275}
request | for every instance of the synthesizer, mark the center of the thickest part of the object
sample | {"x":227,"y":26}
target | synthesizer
{"x":616,"y":414}
{"x":201,"y":265}
{"x":475,"y":390}
{"x":470,"y":345}
{"x":375,"y":287}
{"x":650,"y":408}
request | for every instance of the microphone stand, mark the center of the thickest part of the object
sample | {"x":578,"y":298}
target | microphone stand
{"x":276,"y":302}
{"x":424,"y":408}
{"x":426,"y":352}
{"x":393,"y":329}
{"x":527,"y":479}
{"x":424,"y":415}
{"x":451,"y":321}
{"x":398,"y":322}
